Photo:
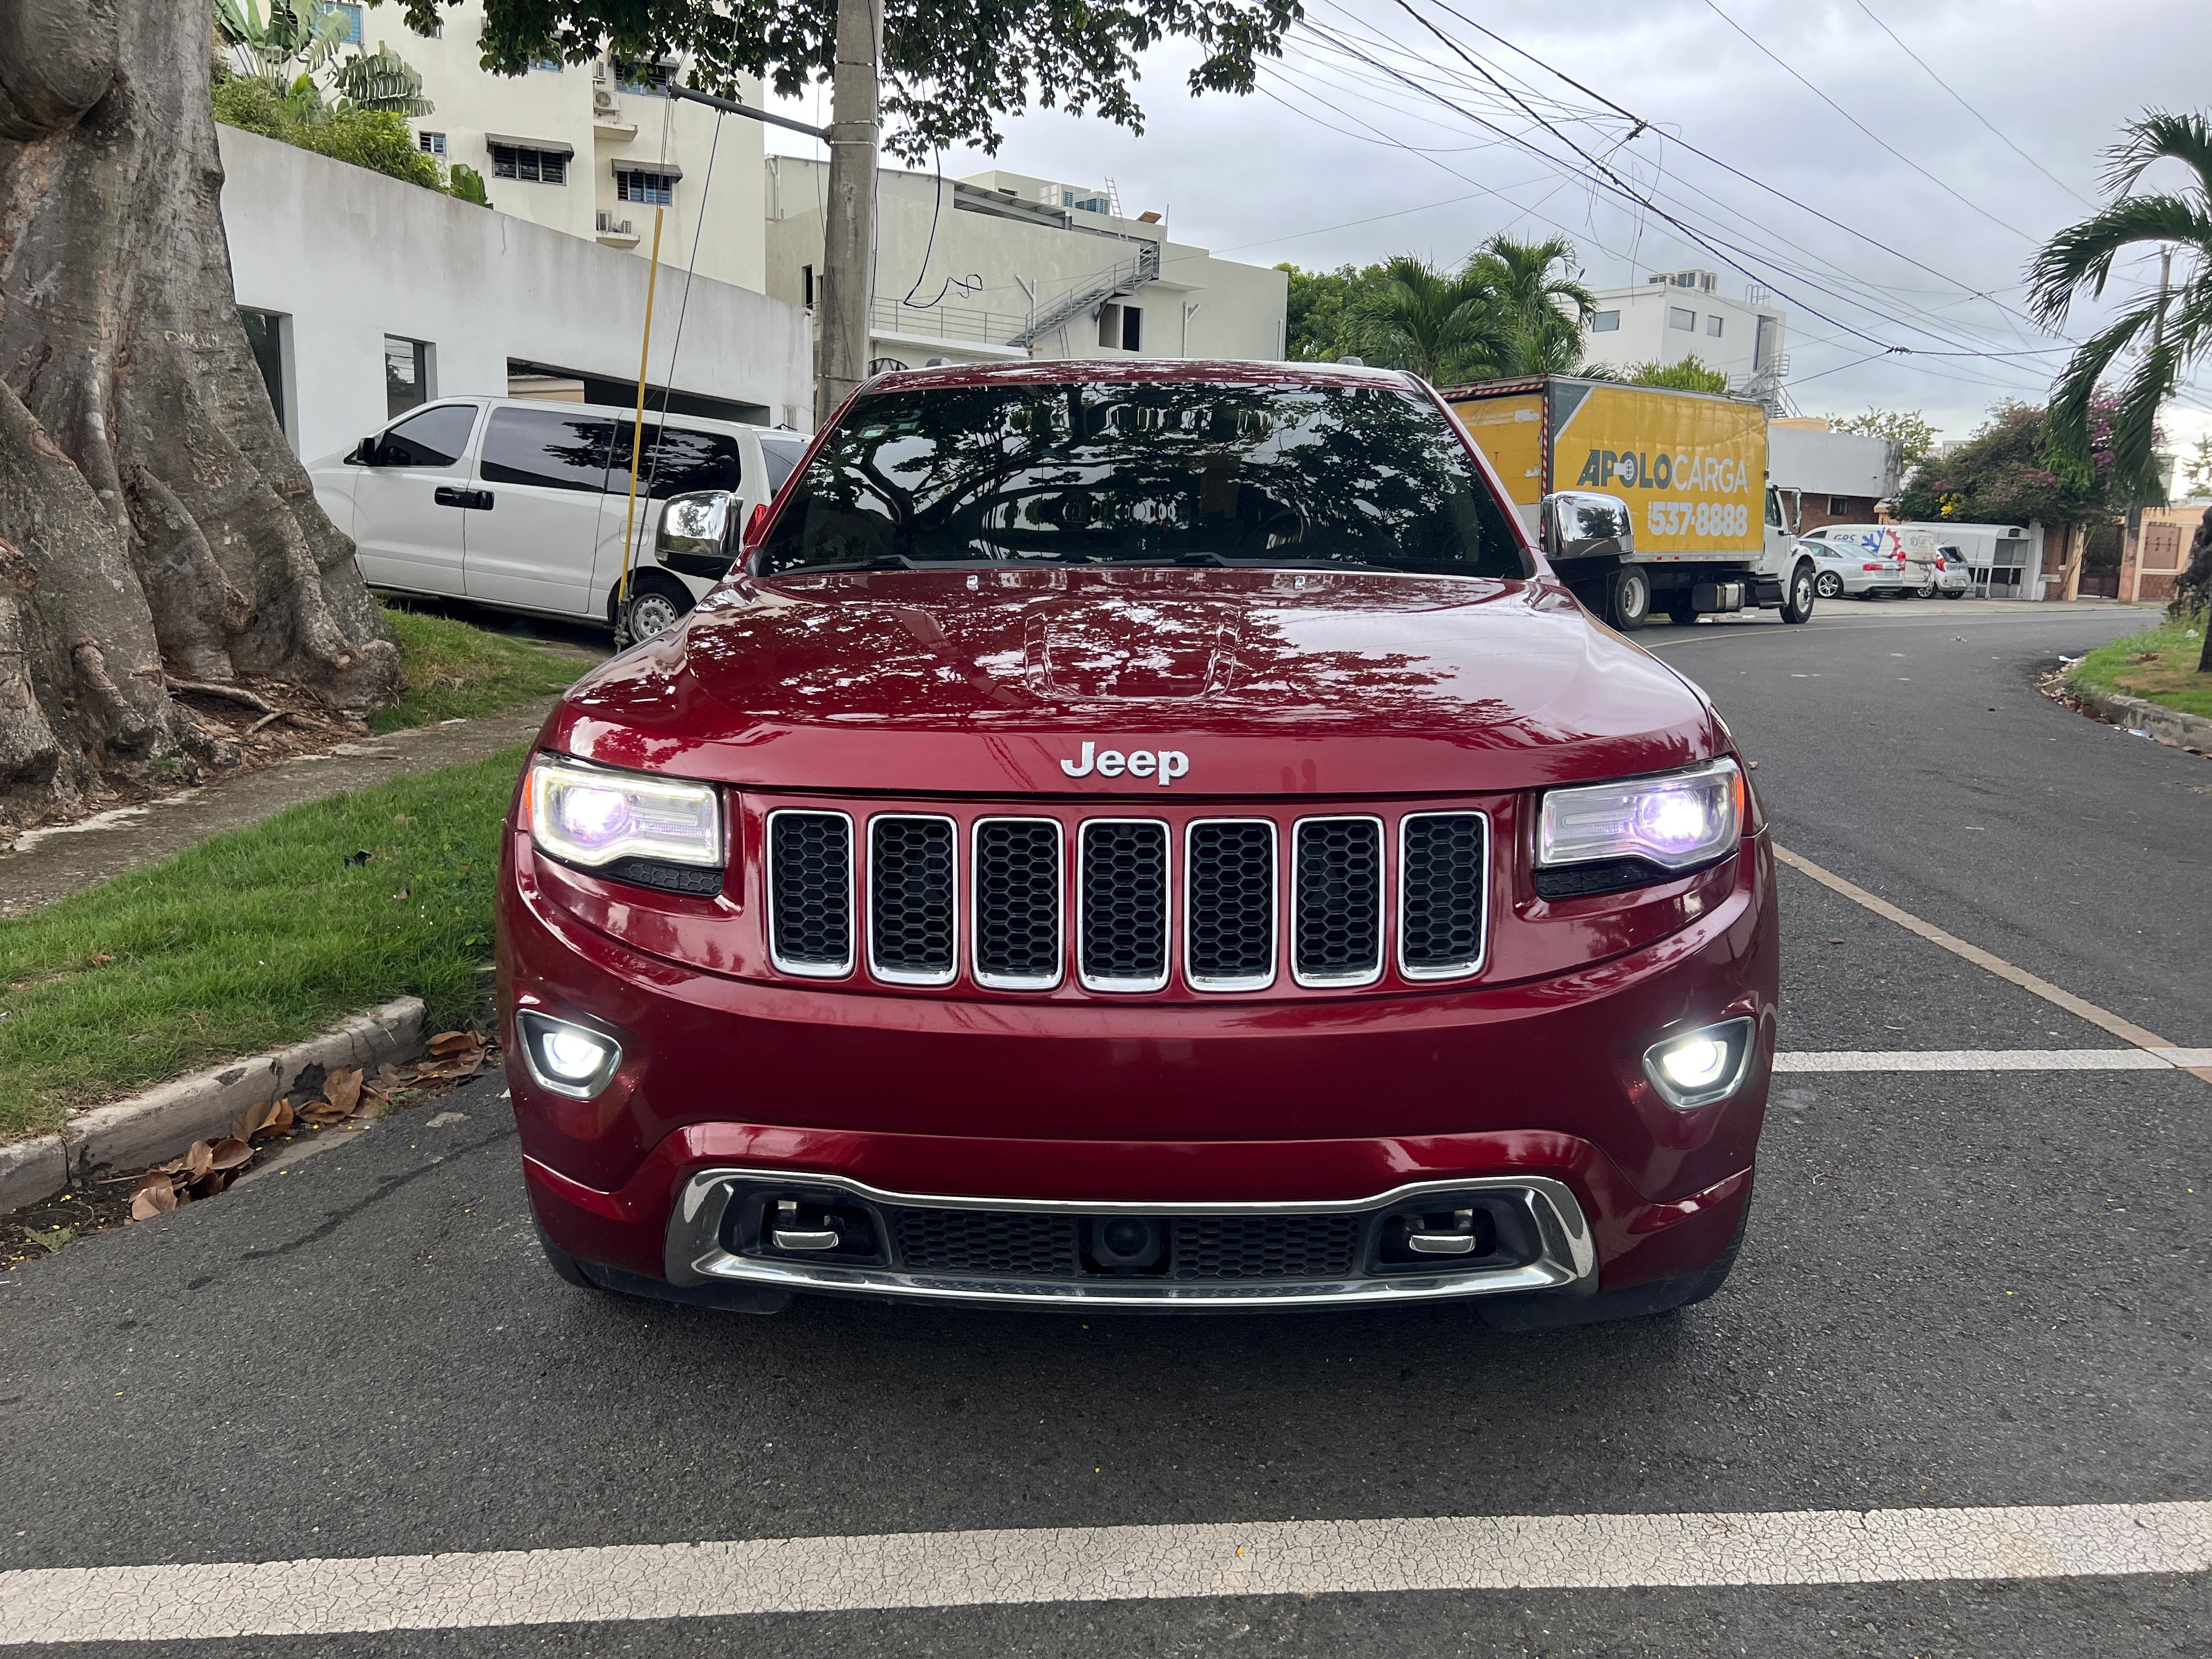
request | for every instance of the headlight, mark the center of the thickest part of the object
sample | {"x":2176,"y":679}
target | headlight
{"x":589,"y":816}
{"x":1675,"y":822}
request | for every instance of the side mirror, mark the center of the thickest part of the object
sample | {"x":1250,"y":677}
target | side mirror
{"x":1579,"y":524}
{"x":364,"y":453}
{"x":693,"y":536}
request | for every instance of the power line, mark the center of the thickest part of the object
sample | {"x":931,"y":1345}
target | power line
{"x":1960,"y":101}
{"x":1714,"y":7}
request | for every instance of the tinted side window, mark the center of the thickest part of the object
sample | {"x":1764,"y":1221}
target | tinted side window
{"x":782,"y":455}
{"x":537,"y":447}
{"x":677,"y":459}
{"x":436,"y":437}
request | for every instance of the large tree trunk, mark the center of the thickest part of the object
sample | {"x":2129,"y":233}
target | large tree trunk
{"x":154,"y":525}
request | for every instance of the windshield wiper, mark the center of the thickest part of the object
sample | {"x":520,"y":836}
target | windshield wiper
{"x":1202,"y":558}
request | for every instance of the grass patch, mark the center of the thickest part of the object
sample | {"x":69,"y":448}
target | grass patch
{"x":455,"y":672}
{"x":2160,"y":665}
{"x":253,"y":940}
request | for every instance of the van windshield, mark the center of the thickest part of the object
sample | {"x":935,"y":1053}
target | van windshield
{"x":1152,"y":472}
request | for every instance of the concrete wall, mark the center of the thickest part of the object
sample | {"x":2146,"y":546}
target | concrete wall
{"x":960,"y":284}
{"x":558,"y":106}
{"x":346,"y":257}
{"x":1645,"y":333}
{"x":2157,"y":554}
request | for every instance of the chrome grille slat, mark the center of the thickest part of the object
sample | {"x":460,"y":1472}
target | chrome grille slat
{"x":1228,"y":904}
{"x":1443,"y":894}
{"x":810,"y":892}
{"x":1121,"y":904}
{"x":1015,"y":876}
{"x":1336,"y":901}
{"x":912,"y":898}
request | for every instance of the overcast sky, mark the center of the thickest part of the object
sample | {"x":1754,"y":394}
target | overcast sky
{"x":1306,"y":170}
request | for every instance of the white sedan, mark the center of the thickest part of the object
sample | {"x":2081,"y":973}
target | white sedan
{"x":1841,"y":569}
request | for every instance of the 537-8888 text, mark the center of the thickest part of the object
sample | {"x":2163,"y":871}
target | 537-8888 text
{"x":1696,"y":518}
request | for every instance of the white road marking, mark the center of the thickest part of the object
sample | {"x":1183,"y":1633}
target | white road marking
{"x":2126,"y":1029}
{"x":625,"y":1583}
{"x":1993,"y":1060}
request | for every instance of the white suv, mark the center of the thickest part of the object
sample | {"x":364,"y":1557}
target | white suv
{"x":520,"y":503}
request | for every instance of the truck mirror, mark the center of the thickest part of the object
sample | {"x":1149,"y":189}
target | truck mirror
{"x":694,"y":533}
{"x":1580,"y":523}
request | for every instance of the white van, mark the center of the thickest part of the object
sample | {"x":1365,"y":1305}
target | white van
{"x":520,"y":503}
{"x":1895,"y":559}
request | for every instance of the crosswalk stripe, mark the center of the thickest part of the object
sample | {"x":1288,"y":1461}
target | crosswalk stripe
{"x":1992,"y":1060}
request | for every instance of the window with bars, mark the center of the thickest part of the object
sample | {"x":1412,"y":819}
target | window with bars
{"x":649,"y":80}
{"x":636,"y":185}
{"x":533,"y":167}
{"x":434,"y":144}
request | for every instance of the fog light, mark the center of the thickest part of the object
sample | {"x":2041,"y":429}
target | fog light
{"x":569,"y":1060}
{"x":1700,"y":1067}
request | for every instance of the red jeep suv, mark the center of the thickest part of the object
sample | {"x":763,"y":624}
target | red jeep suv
{"x":1141,"y":837}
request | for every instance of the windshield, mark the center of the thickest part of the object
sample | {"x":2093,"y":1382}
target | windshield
{"x":1144,"y":472}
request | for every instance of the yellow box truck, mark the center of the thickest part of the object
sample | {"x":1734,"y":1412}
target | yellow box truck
{"x":1705,"y":532}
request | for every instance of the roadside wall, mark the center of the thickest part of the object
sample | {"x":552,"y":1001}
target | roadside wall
{"x":2158,"y":551}
{"x":344,"y":258}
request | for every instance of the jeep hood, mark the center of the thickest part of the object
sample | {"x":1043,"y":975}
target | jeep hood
{"x":957,"y":682}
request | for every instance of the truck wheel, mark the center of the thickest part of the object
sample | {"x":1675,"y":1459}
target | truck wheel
{"x":1628,"y":599}
{"x":1681,"y":612}
{"x":1797,"y":603}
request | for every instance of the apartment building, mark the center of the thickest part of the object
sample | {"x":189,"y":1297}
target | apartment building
{"x":1682,"y":313}
{"x":1005,"y":266}
{"x":593,"y":149}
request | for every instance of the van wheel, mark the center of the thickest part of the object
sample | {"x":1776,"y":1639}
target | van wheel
{"x":1628,"y":599}
{"x":657,"y":603}
{"x":1797,"y":603}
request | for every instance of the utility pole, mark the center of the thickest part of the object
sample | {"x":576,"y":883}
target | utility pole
{"x":840,"y":316}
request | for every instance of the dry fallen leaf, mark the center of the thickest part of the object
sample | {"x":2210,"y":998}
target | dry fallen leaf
{"x":388,"y":1078}
{"x":265,"y":1122}
{"x":230,"y":1153}
{"x":100,"y":959}
{"x":199,"y":1158}
{"x":449,"y":1042}
{"x":343,"y":1090}
{"x":155,"y":1194}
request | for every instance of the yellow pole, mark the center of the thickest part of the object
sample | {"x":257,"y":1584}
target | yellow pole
{"x":637,"y":431}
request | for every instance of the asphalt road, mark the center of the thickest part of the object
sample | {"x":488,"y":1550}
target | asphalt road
{"x":1960,"y":1289}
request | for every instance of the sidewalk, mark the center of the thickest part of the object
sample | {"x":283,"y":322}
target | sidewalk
{"x":47,"y":865}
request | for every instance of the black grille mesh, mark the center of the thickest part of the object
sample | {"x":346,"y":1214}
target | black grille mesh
{"x":1124,"y":901}
{"x":1338,"y":930}
{"x":910,"y":894}
{"x":809,"y":862}
{"x":1264,"y":1247}
{"x":1442,"y":890}
{"x":1231,"y":887}
{"x":1017,"y":878}
{"x":976,"y":1242}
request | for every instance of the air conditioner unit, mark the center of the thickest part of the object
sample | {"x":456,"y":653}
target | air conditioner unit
{"x":603,"y":102}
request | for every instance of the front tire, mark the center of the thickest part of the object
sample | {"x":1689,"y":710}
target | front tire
{"x":1797,"y":603}
{"x":657,"y":604}
{"x":1628,"y":599}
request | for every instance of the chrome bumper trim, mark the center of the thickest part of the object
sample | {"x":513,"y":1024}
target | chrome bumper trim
{"x":695,"y":1254}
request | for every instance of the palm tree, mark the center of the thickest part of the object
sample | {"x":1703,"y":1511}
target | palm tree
{"x":2171,"y":331}
{"x":1443,"y":325}
{"x":1543,"y":315}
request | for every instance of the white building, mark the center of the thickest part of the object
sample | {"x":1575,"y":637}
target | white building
{"x":1002,"y":266}
{"x":1682,"y":313}
{"x":593,"y":149}
{"x":364,"y":296}
{"x":1833,"y":477}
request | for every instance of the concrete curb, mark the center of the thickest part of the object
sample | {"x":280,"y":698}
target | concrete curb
{"x":2153,"y":720}
{"x":164,"y":1121}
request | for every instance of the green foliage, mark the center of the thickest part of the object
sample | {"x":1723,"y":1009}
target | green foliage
{"x":1690,"y":373}
{"x":2160,"y":664}
{"x":952,"y":72}
{"x":454,"y":671}
{"x":297,"y":53}
{"x":381,"y":79}
{"x":2006,"y":474}
{"x":2194,"y":473}
{"x":1506,"y":310}
{"x":468,"y":185}
{"x":366,"y":138}
{"x":1912,"y":432}
{"x":253,"y":940}
{"x":2164,"y":333}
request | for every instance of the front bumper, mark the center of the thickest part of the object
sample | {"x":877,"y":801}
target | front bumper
{"x":1533,"y":1088}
